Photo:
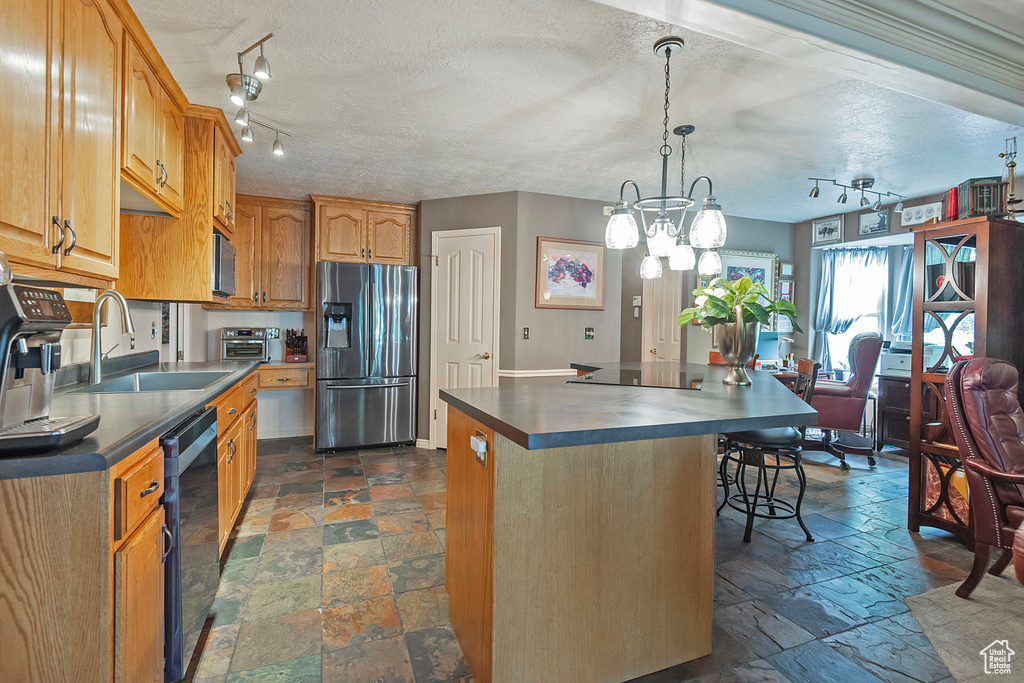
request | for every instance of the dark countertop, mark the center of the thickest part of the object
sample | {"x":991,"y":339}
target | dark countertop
{"x":554,"y":414}
{"x":128,"y":421}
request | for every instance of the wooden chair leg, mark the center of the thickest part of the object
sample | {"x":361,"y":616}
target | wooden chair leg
{"x":1001,"y":563}
{"x":981,"y":558}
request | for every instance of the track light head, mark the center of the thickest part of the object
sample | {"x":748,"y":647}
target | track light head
{"x":247,"y":134}
{"x":242,"y":117}
{"x":864,"y":201}
{"x":262,"y":68}
{"x":278,"y":147}
{"x":842,"y":197}
{"x":877,"y":206}
{"x":899,"y":207}
{"x":815,"y":191}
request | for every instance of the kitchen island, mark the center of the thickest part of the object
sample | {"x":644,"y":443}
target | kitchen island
{"x":580,"y":542}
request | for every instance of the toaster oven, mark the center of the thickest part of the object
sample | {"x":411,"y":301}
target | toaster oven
{"x":244,"y":343}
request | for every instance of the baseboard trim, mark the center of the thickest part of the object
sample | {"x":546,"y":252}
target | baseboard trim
{"x":553,"y":372}
{"x":423,"y":443}
{"x":282,"y":433}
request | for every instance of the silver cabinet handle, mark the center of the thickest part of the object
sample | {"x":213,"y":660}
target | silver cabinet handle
{"x":230,"y":211}
{"x":486,"y":355}
{"x":168,"y":545}
{"x":371,"y":252}
{"x":153,"y":486}
{"x":232,"y":411}
{"x":338,"y":387}
{"x":74,"y":237}
{"x":253,"y":390}
{"x":362,"y":254}
{"x":283,"y":379}
{"x":255,"y":297}
{"x":160,"y":175}
{"x":56,"y":247}
{"x":264,"y":297}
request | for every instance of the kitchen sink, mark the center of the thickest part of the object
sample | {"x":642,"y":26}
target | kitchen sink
{"x":154,"y":381}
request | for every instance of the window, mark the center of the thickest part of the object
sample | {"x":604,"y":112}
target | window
{"x":852,"y":300}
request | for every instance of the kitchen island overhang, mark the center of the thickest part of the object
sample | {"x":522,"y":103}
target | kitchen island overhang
{"x":580,"y":545}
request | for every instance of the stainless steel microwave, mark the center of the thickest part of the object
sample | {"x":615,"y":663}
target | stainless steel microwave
{"x":223,"y":266}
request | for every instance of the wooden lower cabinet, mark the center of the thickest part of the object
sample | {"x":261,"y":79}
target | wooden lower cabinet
{"x":237,"y":423}
{"x":139,"y":604}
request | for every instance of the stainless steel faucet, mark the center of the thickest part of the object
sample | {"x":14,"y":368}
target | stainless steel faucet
{"x":96,"y":372}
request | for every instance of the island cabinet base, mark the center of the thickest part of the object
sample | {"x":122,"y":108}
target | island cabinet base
{"x":586,"y":563}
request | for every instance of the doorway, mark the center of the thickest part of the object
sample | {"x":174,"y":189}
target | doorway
{"x":662,"y":302}
{"x":464,"y":305}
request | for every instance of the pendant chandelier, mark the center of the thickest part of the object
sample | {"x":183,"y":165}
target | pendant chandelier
{"x":665,"y":234}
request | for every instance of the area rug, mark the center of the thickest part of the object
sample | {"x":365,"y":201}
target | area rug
{"x":985,"y":631}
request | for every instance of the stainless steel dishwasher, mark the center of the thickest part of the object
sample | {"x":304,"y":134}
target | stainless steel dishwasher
{"x":192,"y":567}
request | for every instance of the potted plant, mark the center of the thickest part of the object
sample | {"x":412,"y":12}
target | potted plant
{"x":738,"y":308}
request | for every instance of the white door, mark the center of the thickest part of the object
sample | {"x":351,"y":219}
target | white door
{"x":662,"y":303}
{"x":464,"y":333}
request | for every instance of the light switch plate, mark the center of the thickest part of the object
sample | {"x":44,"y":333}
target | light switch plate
{"x":526,"y":333}
{"x":636,"y":300}
{"x":607,"y":210}
{"x":479,"y":445}
{"x":273,"y":333}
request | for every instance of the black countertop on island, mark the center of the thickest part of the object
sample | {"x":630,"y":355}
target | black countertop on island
{"x":128,"y":421}
{"x":557,"y":413}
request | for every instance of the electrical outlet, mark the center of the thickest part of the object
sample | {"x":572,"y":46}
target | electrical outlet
{"x":273,"y":333}
{"x":526,"y":333}
{"x":588,"y":332}
{"x":636,"y":311}
{"x":152,"y":330}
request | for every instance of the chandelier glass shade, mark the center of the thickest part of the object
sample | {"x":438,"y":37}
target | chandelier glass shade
{"x":708,"y":230}
{"x":710,"y":263}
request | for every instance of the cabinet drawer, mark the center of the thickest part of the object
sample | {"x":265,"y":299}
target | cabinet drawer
{"x":284,"y":378}
{"x":137,"y":492}
{"x":250,"y":385}
{"x":895,"y":392}
{"x":229,"y":408}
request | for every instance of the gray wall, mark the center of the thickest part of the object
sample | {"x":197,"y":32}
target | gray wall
{"x":556,"y":336}
{"x":745,"y":234}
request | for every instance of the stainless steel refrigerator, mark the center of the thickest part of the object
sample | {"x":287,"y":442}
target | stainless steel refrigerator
{"x":366,"y":354}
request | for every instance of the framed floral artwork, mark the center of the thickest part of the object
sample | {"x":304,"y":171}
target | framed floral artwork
{"x":570,"y":274}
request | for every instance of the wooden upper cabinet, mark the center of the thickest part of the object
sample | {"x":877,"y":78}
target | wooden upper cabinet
{"x":246,"y":241}
{"x":285,"y":251}
{"x":143,"y":120}
{"x":172,"y":154}
{"x":28,"y":153}
{"x":139,"y":604}
{"x":354,"y":231}
{"x":342,"y":233}
{"x":90,"y":161}
{"x":223,"y":182}
{"x":389,"y":235}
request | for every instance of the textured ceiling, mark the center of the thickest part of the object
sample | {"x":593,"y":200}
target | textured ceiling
{"x":405,"y":100}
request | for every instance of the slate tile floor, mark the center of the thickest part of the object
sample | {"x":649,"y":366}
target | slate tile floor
{"x":336,"y":574}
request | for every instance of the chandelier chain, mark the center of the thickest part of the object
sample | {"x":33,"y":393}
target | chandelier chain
{"x":666,"y":149}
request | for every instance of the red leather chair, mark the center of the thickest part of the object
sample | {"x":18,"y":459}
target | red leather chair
{"x":988,"y":424}
{"x":1018,"y":554}
{"x":840,"y":405}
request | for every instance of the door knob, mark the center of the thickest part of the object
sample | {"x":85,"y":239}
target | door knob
{"x":485,"y":355}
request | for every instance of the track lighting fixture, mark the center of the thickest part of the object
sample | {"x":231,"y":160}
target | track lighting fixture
{"x":242,"y":117}
{"x":864,"y":185}
{"x":278,"y":146}
{"x":247,"y":88}
{"x":247,"y":134}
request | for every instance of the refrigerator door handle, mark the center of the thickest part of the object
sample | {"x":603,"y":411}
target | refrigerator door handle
{"x":365,"y":386}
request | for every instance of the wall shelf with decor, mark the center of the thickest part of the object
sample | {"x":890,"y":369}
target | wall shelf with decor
{"x":967,"y":286}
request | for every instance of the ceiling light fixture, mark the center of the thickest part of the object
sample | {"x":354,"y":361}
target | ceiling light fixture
{"x":247,"y":88}
{"x":710,"y":263}
{"x":863,"y":185}
{"x":247,"y":134}
{"x":708,"y":229}
{"x":242,"y":117}
{"x":278,"y":147}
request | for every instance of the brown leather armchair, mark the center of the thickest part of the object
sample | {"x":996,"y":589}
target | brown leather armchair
{"x":988,"y":424}
{"x":840,"y":405}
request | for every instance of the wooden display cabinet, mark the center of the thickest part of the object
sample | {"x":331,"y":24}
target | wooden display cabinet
{"x":967,"y":285}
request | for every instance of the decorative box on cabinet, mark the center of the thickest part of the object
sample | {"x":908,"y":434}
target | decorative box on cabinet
{"x":273,"y":243}
{"x":60,"y":158}
{"x":354,"y":231}
{"x":170,"y":259}
{"x":967,"y":285}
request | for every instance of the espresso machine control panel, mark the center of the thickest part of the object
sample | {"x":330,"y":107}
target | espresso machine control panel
{"x":41,"y":305}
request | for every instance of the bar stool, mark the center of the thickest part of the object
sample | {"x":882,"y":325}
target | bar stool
{"x":770,"y":451}
{"x":716,"y":359}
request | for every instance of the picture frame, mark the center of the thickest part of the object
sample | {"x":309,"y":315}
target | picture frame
{"x":782,"y":323}
{"x":921,"y":214}
{"x":759,"y":266}
{"x":570,"y":274}
{"x":827,"y":230}
{"x":785,"y":269}
{"x":874,"y":222}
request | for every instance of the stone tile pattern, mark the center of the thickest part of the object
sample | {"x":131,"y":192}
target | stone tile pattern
{"x":336,"y":574}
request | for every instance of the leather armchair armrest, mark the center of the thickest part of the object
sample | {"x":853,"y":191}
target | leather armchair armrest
{"x":838,"y":389}
{"x":996,"y":475}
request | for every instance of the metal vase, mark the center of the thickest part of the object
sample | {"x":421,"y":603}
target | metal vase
{"x":737,"y":342}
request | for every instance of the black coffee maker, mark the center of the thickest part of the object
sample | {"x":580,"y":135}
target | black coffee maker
{"x":31,"y":321}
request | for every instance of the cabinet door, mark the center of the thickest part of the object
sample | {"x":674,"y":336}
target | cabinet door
{"x":389,"y":237}
{"x":342,"y":234}
{"x":236,"y":467}
{"x":253,"y":426}
{"x":143,"y":100}
{"x":172,"y":143}
{"x":225,"y":512}
{"x":221,"y":152}
{"x":28,"y":117}
{"x":139,"y":604}
{"x":90,"y":151}
{"x":285,"y":279}
{"x":246,"y":241}
{"x":229,"y":186}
